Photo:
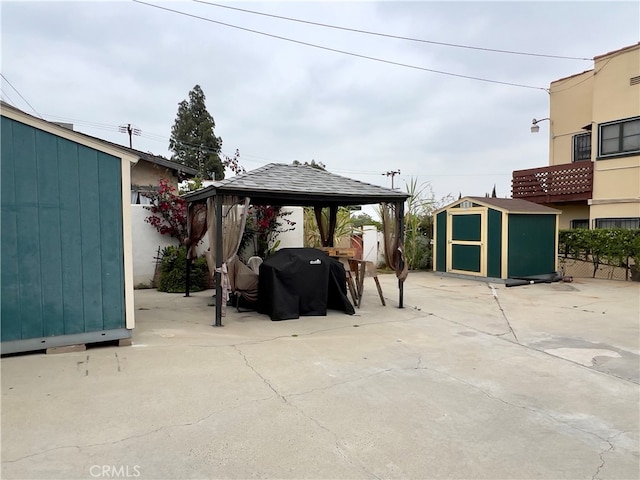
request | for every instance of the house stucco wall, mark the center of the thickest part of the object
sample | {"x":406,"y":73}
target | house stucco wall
{"x":146,"y":173}
{"x":604,"y":94}
{"x":616,"y":181}
{"x":569,"y":110}
{"x":571,"y":212}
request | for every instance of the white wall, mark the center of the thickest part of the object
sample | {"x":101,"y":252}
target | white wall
{"x":146,"y":241}
{"x":370,"y":244}
{"x":381,"y":259}
{"x":293,"y":238}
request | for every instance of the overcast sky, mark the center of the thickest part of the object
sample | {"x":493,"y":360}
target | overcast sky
{"x":101,"y":65}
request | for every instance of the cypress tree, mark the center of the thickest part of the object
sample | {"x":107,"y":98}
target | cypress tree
{"x":193,"y":142}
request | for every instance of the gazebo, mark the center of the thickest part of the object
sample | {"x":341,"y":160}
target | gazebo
{"x":214,"y":209}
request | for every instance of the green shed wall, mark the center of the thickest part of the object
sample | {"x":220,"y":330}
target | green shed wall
{"x":532,"y":245}
{"x":494,"y":244}
{"x":441,"y":242}
{"x":62,"y":241}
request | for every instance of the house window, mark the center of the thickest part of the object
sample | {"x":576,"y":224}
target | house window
{"x":139,"y":195}
{"x":618,"y":222}
{"x":619,"y":138}
{"x":582,"y":147}
{"x":580,"y":223}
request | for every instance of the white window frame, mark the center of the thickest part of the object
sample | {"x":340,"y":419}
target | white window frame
{"x":620,"y":152}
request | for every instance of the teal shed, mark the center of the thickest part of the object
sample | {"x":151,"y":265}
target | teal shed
{"x":495,"y":238}
{"x":66,"y":247}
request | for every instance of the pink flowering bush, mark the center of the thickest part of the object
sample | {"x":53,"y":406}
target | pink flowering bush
{"x":169,"y":211}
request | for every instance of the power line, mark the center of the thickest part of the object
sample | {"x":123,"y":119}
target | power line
{"x":8,"y":98}
{"x":16,"y":90}
{"x":344,"y":52}
{"x":398,"y":37}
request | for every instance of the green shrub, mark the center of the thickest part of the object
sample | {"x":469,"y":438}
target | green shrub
{"x":612,"y":246}
{"x":173,"y":271}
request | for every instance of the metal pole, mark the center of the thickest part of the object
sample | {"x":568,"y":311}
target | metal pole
{"x":400,"y":225}
{"x":218,"y":274}
{"x":187,"y":282}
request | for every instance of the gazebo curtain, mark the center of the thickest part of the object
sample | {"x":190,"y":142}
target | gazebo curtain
{"x":392,"y":228}
{"x":196,"y":226}
{"x":233,"y":221}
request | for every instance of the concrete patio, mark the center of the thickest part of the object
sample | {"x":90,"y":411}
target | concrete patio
{"x":471,"y":380}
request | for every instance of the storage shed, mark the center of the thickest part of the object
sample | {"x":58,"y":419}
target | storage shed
{"x":66,"y":236}
{"x":496,"y":238}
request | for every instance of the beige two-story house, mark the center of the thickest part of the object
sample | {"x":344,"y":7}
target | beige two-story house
{"x":593,"y":175}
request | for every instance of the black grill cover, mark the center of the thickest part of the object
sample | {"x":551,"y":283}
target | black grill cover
{"x":298,"y":282}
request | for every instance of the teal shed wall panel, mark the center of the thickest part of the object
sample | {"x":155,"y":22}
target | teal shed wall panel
{"x":49,"y":224}
{"x":494,"y":244}
{"x":10,"y":288}
{"x":90,"y":235}
{"x":28,"y":231}
{"x":532,"y":245}
{"x":112,"y":267}
{"x":62,"y":247}
{"x":441,"y":242}
{"x":70,"y":236}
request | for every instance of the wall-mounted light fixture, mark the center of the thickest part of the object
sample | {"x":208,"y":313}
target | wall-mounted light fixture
{"x":534,"y":124}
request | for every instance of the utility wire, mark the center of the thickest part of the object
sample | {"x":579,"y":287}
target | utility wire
{"x":8,"y":98}
{"x":16,"y":90}
{"x":398,"y":37}
{"x":375,"y":59}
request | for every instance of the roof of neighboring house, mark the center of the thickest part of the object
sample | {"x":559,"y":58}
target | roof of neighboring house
{"x":281,"y":184}
{"x":509,"y":205}
{"x":158,"y":160}
{"x":149,"y":157}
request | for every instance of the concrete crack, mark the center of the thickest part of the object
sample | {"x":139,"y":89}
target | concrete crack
{"x":602,"y":453}
{"x":150,"y":432}
{"x":362,"y":377}
{"x":338,"y":447}
{"x":532,"y":348}
{"x":494,"y":293}
{"x":266,"y":382}
{"x":533,"y":410}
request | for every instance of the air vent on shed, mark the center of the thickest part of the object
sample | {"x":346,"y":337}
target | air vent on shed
{"x":634,"y":80}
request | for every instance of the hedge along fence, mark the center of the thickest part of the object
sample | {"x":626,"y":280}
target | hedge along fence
{"x":604,"y":246}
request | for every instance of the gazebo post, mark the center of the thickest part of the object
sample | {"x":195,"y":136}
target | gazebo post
{"x":218,"y":253}
{"x":333,"y":219}
{"x":400,"y":230}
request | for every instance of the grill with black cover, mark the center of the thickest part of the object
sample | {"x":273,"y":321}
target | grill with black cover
{"x":298,"y":282}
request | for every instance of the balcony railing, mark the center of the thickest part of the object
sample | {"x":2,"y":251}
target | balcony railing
{"x":559,"y":183}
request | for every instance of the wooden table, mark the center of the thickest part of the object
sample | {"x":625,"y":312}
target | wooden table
{"x":355,"y":270}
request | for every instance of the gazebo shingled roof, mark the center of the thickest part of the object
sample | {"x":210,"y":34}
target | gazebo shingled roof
{"x":299,"y":185}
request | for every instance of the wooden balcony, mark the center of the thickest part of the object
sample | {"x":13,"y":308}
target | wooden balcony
{"x":560,"y":183}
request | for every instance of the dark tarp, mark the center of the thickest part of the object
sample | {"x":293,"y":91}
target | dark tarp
{"x":298,"y":282}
